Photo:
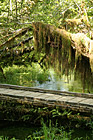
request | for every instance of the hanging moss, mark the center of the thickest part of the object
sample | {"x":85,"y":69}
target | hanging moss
{"x":49,"y":35}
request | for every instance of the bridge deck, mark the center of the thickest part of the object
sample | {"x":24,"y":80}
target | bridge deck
{"x":64,"y":100}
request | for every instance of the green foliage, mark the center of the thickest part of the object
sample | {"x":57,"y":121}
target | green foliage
{"x":48,"y":133}
{"x":56,"y":113}
{"x":25,"y":76}
{"x":6,"y":138}
{"x":17,"y":14}
{"x":27,"y":11}
{"x":52,"y":11}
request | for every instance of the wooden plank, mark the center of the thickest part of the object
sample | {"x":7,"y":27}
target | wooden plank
{"x":88,"y":102}
{"x":88,"y":95}
{"x":19,"y":93}
{"x":38,"y":98}
{"x":10,"y":92}
{"x":2,"y":89}
{"x":31,"y":94}
{"x":66,"y":98}
{"x":49,"y":97}
{"x":76,"y":100}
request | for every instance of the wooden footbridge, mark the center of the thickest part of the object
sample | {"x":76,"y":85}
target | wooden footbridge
{"x":81,"y":102}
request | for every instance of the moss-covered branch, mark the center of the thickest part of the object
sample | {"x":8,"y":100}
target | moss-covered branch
{"x":46,"y":35}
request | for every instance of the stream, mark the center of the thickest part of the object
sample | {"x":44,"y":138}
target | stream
{"x":68,"y":71}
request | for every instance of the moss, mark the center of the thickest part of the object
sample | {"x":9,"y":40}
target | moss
{"x":48,"y":34}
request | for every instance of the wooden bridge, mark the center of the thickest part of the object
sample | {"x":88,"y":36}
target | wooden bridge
{"x":81,"y":102}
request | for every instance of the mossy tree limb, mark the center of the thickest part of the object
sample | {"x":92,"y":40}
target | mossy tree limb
{"x":48,"y":35}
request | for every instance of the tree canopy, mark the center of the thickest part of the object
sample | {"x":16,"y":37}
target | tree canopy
{"x":17,"y":16}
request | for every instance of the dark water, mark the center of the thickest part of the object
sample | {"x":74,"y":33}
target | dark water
{"x":22,"y":131}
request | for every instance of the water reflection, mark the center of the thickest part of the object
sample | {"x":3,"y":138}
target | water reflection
{"x":63,"y":59}
{"x":69,"y":71}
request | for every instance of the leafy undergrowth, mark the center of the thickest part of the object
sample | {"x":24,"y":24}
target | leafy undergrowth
{"x":24,"y":76}
{"x":48,"y":133}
